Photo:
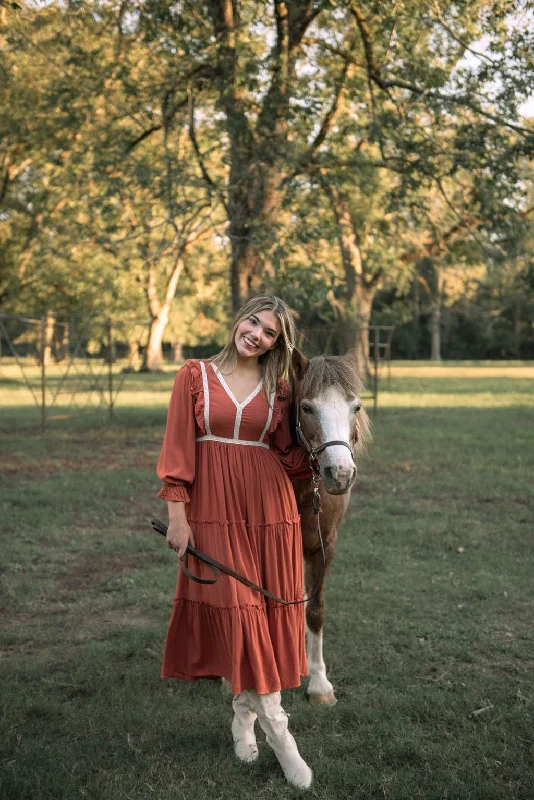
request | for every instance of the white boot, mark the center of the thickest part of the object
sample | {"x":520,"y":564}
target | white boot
{"x":245,"y":745}
{"x":273,"y":721}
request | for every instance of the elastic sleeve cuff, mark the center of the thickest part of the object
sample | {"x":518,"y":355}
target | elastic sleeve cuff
{"x":174,"y":492}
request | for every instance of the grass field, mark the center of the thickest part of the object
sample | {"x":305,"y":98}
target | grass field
{"x":429,"y":639}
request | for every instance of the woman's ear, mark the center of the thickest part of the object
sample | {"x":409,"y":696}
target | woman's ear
{"x":300,"y":364}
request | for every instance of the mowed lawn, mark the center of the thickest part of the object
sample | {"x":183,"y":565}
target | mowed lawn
{"x":429,"y":639}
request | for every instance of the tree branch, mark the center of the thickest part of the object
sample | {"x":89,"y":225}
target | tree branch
{"x":330,"y":116}
{"x":142,"y":137}
{"x":193,"y":137}
{"x":434,"y":248}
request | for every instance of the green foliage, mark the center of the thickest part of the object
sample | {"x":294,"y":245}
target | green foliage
{"x":140,"y":133}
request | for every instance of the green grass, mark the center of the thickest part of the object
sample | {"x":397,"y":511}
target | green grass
{"x":428,"y":640}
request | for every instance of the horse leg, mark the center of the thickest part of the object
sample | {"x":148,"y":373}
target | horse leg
{"x":320,"y":690}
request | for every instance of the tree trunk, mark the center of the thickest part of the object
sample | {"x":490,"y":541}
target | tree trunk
{"x":61,"y":343}
{"x":133,"y":351}
{"x":435,"y":330}
{"x":177,"y":352}
{"x":259,"y":159}
{"x":517,"y":326}
{"x":435,"y":318}
{"x":360,"y":288}
{"x":363,"y":306}
{"x":46,"y":346}
{"x":153,"y":357}
{"x":244,"y":260}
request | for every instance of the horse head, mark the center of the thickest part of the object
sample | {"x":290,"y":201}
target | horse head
{"x":329,"y":417}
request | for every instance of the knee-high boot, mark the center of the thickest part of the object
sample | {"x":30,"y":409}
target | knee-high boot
{"x":245,"y":746}
{"x":273,"y":721}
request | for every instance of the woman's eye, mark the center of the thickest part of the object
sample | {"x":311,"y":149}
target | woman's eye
{"x":253,"y":320}
{"x":307,"y":409}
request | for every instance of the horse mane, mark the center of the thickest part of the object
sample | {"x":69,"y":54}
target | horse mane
{"x":339,"y":371}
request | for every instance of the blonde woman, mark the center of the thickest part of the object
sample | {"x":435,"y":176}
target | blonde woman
{"x":226,"y":460}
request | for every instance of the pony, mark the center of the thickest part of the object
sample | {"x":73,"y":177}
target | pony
{"x":325,"y":409}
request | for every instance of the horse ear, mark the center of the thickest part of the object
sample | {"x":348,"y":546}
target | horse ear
{"x":299,"y":363}
{"x":352,"y":356}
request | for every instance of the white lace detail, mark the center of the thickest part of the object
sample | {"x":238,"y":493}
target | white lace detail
{"x":269,"y":418}
{"x":206,"y":398}
{"x":212,"y":438}
{"x":239,"y":406}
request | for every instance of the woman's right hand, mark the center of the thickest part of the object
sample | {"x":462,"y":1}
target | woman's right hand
{"x":179,"y":535}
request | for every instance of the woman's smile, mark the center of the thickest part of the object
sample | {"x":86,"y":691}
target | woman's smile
{"x":252,"y":345}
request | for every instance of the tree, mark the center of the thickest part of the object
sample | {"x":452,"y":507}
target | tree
{"x":279,"y":74}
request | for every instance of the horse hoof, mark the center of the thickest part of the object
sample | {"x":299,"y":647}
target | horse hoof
{"x":322,"y":699}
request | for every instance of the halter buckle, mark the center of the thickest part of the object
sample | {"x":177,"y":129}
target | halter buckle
{"x":316,"y":499}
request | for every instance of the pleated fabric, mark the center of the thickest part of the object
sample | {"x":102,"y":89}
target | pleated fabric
{"x":230,"y":463}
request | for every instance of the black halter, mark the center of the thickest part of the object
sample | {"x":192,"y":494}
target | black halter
{"x":313,"y":452}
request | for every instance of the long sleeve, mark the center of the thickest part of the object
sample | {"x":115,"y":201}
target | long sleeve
{"x":176,"y":465}
{"x":292,"y":457}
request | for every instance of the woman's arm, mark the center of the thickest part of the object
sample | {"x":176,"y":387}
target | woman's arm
{"x":176,"y":465}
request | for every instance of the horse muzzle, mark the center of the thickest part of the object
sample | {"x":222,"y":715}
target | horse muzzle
{"x":338,"y":480}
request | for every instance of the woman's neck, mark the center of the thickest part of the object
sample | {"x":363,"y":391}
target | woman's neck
{"x":247,"y":366}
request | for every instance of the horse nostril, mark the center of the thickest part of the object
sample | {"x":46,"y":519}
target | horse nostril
{"x":329,"y":473}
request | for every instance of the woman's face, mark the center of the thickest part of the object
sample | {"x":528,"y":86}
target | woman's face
{"x":257,"y":334}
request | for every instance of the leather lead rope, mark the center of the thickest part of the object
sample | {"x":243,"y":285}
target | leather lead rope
{"x":217,"y":567}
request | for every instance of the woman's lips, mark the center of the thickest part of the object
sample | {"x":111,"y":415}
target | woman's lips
{"x":249,"y":344}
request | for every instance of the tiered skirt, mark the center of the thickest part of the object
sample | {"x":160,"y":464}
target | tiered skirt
{"x":242,"y":513}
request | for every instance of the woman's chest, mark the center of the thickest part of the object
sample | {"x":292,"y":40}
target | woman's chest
{"x":229,"y":419}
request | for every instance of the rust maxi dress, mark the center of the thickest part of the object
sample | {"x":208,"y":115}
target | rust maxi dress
{"x":230,"y":462}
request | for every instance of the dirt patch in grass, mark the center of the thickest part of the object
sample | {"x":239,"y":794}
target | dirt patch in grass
{"x":76,"y":630}
{"x":95,"y":571}
{"x":26,"y":466}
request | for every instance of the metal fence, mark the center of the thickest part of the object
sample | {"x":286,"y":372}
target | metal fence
{"x":337,"y":339}
{"x":75,"y":364}
{"x":72,"y":364}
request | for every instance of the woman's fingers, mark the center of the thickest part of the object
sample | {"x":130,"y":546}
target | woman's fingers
{"x":180,"y":540}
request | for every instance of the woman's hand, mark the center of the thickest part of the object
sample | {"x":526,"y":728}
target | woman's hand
{"x":179,"y":534}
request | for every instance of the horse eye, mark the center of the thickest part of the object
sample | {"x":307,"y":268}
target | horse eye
{"x":357,"y":408}
{"x":307,"y":409}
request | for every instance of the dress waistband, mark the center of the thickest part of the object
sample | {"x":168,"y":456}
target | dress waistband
{"x":211,"y":438}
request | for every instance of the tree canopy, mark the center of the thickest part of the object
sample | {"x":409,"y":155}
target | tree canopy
{"x":162,"y":151}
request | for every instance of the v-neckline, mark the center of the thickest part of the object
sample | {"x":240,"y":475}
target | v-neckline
{"x":229,"y":392}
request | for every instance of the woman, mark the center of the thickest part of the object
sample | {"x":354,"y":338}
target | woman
{"x":225,"y":463}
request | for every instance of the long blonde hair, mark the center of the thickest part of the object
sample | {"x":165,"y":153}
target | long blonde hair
{"x":275,"y":362}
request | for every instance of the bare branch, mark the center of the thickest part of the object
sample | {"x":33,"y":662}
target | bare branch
{"x":193,"y":137}
{"x":142,"y":137}
{"x":337,"y":51}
